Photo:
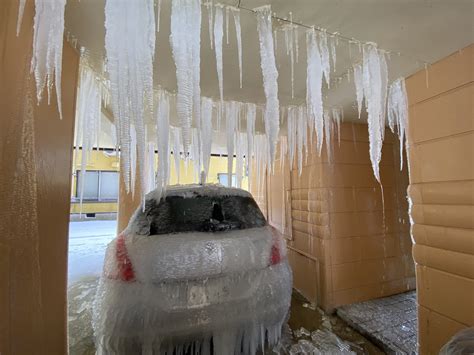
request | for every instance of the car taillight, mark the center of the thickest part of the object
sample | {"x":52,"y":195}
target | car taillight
{"x":124,"y":265}
{"x":276,"y":252}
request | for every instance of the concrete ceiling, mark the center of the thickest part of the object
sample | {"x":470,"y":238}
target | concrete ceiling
{"x":420,"y":30}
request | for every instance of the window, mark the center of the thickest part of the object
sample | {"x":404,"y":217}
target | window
{"x":98,"y":185}
{"x":224,"y":178}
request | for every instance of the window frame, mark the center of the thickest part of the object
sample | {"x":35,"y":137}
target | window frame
{"x":99,"y":180}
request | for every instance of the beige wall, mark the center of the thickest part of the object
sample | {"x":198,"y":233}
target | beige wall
{"x":341,"y":248}
{"x":441,"y":155}
{"x":35,"y":185}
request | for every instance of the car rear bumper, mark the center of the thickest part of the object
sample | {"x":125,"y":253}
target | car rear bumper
{"x":137,"y":314}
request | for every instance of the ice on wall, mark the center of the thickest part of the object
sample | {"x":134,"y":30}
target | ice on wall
{"x":46,"y":61}
{"x":218,"y":35}
{"x":185,"y":41}
{"x":359,"y":86}
{"x":130,"y":48}
{"x":375,"y":78}
{"x":206,"y":134}
{"x":88,"y":115}
{"x":397,"y":109}
{"x":238,"y":33}
{"x":163,"y":143}
{"x":270,"y":78}
{"x":314,"y":81}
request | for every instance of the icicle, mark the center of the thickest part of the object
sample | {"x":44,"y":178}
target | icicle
{"x":130,"y":47}
{"x":21,"y":10}
{"x":231,"y":114}
{"x":46,"y":61}
{"x":206,"y":134}
{"x":291,"y":53}
{"x":332,"y":44}
{"x":238,"y":33}
{"x":327,"y":134}
{"x":176,"y":152}
{"x":375,"y":93}
{"x":185,"y":41}
{"x":291,"y":128}
{"x":359,"y":85}
{"x":398,"y":112}
{"x":297,"y":46}
{"x":426,"y":75}
{"x":133,"y":158}
{"x":337,"y":118}
{"x":210,"y":17}
{"x":218,"y":34}
{"x":163,"y":137}
{"x":325,"y":60}
{"x":251,"y":115}
{"x":158,"y":15}
{"x":227,"y":25}
{"x":239,"y":158}
{"x":150,"y":168}
{"x":314,"y":79}
{"x":270,"y":78}
{"x":300,"y":138}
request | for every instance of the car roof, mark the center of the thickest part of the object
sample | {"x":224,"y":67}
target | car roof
{"x":205,"y":190}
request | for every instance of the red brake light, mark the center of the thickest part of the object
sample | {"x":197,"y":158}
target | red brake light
{"x":124,"y":265}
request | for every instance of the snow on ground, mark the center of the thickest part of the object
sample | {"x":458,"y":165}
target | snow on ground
{"x":87,"y":243}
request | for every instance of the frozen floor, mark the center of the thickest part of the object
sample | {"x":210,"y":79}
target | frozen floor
{"x":87,"y":243}
{"x":391,"y":322}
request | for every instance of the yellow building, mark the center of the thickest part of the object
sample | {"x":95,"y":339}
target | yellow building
{"x":102,"y":173}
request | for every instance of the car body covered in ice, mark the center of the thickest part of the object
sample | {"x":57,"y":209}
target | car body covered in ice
{"x":198,"y":271}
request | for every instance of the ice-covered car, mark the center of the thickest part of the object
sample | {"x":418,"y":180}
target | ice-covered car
{"x":199,"y":271}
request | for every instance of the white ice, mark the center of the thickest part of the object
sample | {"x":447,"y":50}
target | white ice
{"x":397,"y":108}
{"x":238,"y":32}
{"x":218,"y":35}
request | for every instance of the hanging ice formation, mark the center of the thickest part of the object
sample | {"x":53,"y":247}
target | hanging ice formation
{"x":324,"y":50}
{"x":290,"y":51}
{"x":328,"y":130}
{"x":398,"y":112}
{"x":158,"y":15}
{"x":332,"y":44}
{"x":21,"y":10}
{"x":163,"y":138}
{"x":375,"y":79}
{"x":314,"y":81}
{"x":238,"y":33}
{"x":185,"y":41}
{"x":130,"y":47}
{"x":206,"y":134}
{"x":359,"y":86}
{"x":218,"y":35}
{"x":88,"y":114}
{"x":301,"y":137}
{"x":150,"y":181}
{"x":46,"y":61}
{"x":239,"y":158}
{"x":291,"y":125}
{"x":210,"y":18}
{"x":270,"y":78}
{"x":251,"y":116}
{"x":261,"y":159}
{"x":232,"y":114}
{"x":337,"y":115}
{"x":176,"y":151}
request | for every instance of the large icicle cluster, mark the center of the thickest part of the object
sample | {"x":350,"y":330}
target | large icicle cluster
{"x":397,"y":107}
{"x":46,"y":61}
{"x":185,"y":41}
{"x":270,"y":78}
{"x":130,"y":47}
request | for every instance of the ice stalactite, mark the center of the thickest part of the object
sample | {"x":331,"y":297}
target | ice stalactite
{"x":232,"y":115}
{"x":332,"y":44}
{"x":130,"y":48}
{"x":158,"y":15}
{"x":398,"y":112}
{"x":270,"y":78}
{"x":195,"y":153}
{"x":218,"y":36}
{"x":21,"y":10}
{"x":290,"y":51}
{"x":210,"y":18}
{"x":261,"y":161}
{"x":301,"y":135}
{"x":206,"y":134}
{"x":176,"y":152}
{"x":328,"y":130}
{"x":375,"y":77}
{"x":150,"y":182}
{"x":238,"y":33}
{"x":251,"y":116}
{"x":337,"y":115}
{"x":239,"y":157}
{"x":291,"y":125}
{"x":325,"y":59}
{"x":227,"y":9}
{"x":314,"y":81}
{"x":359,"y":86}
{"x":46,"y":61}
{"x":185,"y":41}
{"x":88,"y":115}
{"x":133,"y":159}
{"x":163,"y":143}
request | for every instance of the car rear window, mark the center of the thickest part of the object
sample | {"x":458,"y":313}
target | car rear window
{"x":177,"y":214}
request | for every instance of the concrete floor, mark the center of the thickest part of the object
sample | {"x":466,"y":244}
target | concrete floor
{"x":309,"y":330}
{"x":390,"y":322}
